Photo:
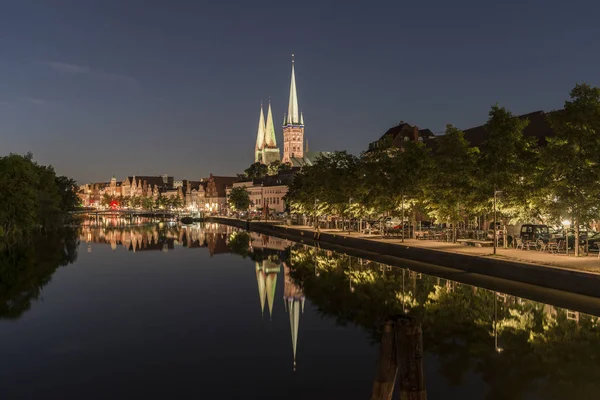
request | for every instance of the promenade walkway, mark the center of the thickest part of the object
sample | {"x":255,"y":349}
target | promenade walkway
{"x":585,"y":263}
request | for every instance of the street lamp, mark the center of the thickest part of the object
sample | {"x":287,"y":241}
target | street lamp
{"x":566,"y":223}
{"x":496,"y":192}
{"x":403,"y":219}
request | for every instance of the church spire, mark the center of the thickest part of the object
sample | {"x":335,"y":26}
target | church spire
{"x":260,"y":136}
{"x":270,"y":140}
{"x":293,"y":116}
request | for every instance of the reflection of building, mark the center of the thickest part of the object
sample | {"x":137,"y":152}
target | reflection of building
{"x":293,"y":298}
{"x":157,"y":237}
{"x":260,"y":241}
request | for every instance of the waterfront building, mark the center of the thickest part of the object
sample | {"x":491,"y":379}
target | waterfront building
{"x":538,"y":128}
{"x":268,"y":191}
{"x":215,"y":195}
{"x":91,"y":194}
{"x":401,"y":133}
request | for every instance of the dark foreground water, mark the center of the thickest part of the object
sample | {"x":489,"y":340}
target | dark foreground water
{"x":204,"y":312}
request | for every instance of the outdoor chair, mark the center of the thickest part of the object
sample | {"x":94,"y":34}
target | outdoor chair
{"x":553,"y":247}
{"x":541,"y":245}
{"x":519,"y":244}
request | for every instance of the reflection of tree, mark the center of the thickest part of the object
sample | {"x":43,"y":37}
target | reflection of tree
{"x":26,"y":267}
{"x":517,"y":346}
{"x":239,"y":243}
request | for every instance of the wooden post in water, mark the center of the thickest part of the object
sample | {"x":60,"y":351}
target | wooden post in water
{"x":387,"y":366}
{"x":409,"y":345}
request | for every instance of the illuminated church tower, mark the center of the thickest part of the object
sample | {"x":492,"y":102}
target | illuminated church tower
{"x":266,"y":150}
{"x":293,"y":125}
{"x":260,"y":137}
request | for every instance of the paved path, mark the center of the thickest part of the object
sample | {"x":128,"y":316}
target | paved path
{"x":585,"y":263}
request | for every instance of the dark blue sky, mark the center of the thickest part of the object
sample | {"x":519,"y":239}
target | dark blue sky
{"x":98,"y":88}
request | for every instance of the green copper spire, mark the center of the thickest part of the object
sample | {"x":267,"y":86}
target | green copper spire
{"x":270,"y":140}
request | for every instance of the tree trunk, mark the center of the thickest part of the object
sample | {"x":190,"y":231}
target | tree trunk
{"x":576,"y":244}
{"x":409,"y":345}
{"x":454,"y":232}
{"x":387,"y":366}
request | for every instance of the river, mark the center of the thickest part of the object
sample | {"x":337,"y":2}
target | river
{"x":207,"y":311}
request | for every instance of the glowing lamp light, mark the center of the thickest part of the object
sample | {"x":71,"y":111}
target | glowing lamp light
{"x":566,"y":222}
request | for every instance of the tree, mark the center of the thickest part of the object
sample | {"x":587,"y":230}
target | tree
{"x":67,"y":189}
{"x":18,"y":195}
{"x":277,"y":166}
{"x":239,"y":199}
{"x":273,"y":168}
{"x":257,"y":171}
{"x":32,"y":196}
{"x":106,"y":199}
{"x":285,"y":167}
{"x":571,"y":159}
{"x":451,"y":191}
{"x":161,"y":202}
{"x":176,"y":202}
{"x":507,"y":163}
{"x":147,"y":203}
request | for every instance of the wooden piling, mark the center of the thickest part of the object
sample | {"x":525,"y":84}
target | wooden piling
{"x":409,"y":345}
{"x":387,"y":366}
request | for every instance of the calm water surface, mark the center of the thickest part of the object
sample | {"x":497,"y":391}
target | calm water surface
{"x":204,"y":311}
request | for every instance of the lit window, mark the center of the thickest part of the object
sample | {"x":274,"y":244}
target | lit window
{"x":406,"y":138}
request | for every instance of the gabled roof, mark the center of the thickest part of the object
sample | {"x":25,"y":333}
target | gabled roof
{"x":221,"y":183}
{"x":151,"y":180}
{"x":538,"y":128}
{"x":309,"y":158}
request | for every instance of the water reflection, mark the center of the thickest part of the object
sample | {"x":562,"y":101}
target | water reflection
{"x":519,"y":348}
{"x":27,"y":266}
{"x":163,"y":236}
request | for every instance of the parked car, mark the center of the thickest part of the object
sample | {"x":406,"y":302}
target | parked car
{"x":535,"y":232}
{"x":593,"y":240}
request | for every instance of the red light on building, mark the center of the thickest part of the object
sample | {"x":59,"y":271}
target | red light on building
{"x":114,"y":204}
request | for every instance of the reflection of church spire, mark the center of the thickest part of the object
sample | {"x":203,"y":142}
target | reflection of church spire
{"x":294,"y":310}
{"x":294,"y":299}
{"x":271,"y":269}
{"x":260,"y":278}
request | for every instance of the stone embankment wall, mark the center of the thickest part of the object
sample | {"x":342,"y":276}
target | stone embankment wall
{"x":583,"y":283}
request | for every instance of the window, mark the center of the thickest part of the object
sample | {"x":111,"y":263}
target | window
{"x":406,"y":138}
{"x":420,"y":138}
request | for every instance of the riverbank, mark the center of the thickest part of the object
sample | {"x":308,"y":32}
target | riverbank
{"x":559,"y":272}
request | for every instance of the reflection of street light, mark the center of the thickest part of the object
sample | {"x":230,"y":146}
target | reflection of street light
{"x":495,"y":230}
{"x":566,"y":223}
{"x":498,"y":349}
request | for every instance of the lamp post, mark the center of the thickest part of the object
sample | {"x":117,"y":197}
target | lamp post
{"x":402,"y":218}
{"x":495,"y":230}
{"x":349,"y":219}
{"x":566,"y":223}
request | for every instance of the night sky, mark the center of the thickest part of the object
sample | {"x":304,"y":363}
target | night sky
{"x":102,"y":88}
